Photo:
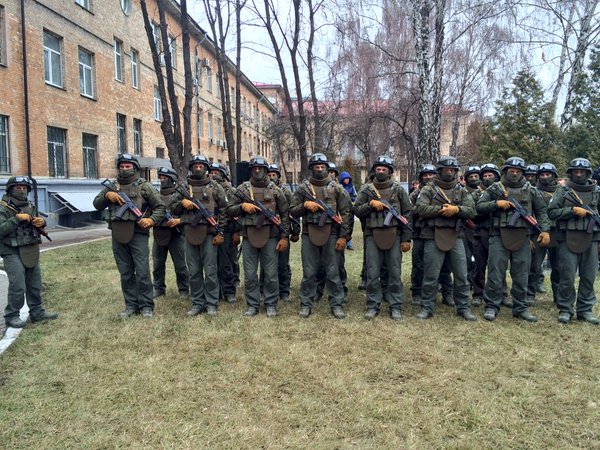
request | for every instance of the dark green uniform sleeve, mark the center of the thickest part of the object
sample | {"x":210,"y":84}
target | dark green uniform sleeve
{"x":344,"y":210}
{"x":361,"y":205}
{"x":406,"y":208}
{"x":235,"y":204}
{"x":487,"y":202}
{"x":467,"y":209}
{"x":100,"y":201}
{"x":424,"y":207}
{"x":154,"y":202}
{"x":297,"y":208}
{"x":8,"y":222}
{"x":283,"y":211}
{"x":221,"y":202}
{"x":556,"y":206}
{"x":540,"y":209}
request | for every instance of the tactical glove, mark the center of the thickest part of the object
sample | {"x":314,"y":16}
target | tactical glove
{"x":504,"y":204}
{"x":146,"y":222}
{"x":38,"y":222}
{"x":249,"y":208}
{"x":113,"y":197}
{"x":449,"y":210}
{"x":218,"y":240}
{"x":173,"y":222}
{"x":377,"y":205}
{"x":23,"y":217}
{"x":312,"y":206}
{"x":340,"y":245}
{"x":294,"y":238}
{"x":235,"y":238}
{"x":580,"y":212}
{"x":544,"y":239}
{"x":405,"y":246}
{"x":282,"y":245}
{"x":188,"y":204}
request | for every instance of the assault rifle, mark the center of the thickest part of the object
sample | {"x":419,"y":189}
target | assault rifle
{"x":594,"y":216}
{"x":441,"y":197}
{"x":202,"y":212}
{"x":392,"y":211}
{"x":38,"y":230}
{"x":265,"y":212}
{"x":327,"y":210}
{"x":128,"y":205}
{"x":521,"y":212}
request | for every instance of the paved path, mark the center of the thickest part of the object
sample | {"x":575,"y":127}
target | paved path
{"x":61,"y":237}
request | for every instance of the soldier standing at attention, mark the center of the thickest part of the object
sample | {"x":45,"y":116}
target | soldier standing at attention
{"x":509,"y":236}
{"x":473,"y":185}
{"x":573,"y":207}
{"x":263,"y":238}
{"x":19,"y":247}
{"x":130,"y":233}
{"x":385,"y":240}
{"x":325,"y":207}
{"x":443,"y":204}
{"x":203,"y":227}
{"x":168,"y":239}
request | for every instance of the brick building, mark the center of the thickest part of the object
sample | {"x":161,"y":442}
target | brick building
{"x":89,"y":90}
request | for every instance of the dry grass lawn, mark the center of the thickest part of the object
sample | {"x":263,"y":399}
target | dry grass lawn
{"x":88,"y":380}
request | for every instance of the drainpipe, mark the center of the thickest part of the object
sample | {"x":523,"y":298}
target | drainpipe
{"x":26,"y":91}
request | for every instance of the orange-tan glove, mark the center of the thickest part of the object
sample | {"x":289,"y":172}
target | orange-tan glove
{"x":580,"y":212}
{"x":504,"y":204}
{"x":312,"y":206}
{"x":449,"y":210}
{"x":188,"y":204}
{"x":249,"y":208}
{"x":218,"y":240}
{"x":294,"y":238}
{"x":175,"y":221}
{"x":146,"y":222}
{"x":113,"y":197}
{"x":23,"y":217}
{"x":282,"y":245}
{"x":235,"y":239}
{"x":544,"y":239}
{"x":377,"y":205}
{"x":340,"y":245}
{"x":405,"y":246}
{"x":38,"y":222}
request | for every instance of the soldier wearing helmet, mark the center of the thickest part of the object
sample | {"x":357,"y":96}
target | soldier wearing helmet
{"x":474,"y":187}
{"x":263,"y":238}
{"x":385,"y":238}
{"x":325,"y":210}
{"x":509,"y":236}
{"x":20,"y":238}
{"x":573,"y":208}
{"x":130,"y":233}
{"x":443,"y":205}
{"x":168,"y":240}
{"x":531,"y":173}
{"x":203,"y":234}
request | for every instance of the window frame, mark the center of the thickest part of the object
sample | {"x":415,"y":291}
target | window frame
{"x":118,"y":58}
{"x":85,"y":4}
{"x":90,"y":172}
{"x":157,"y":113}
{"x":89,"y":68}
{"x":48,"y":60}
{"x":52,"y":170}
{"x":3,"y":38}
{"x":135,"y":68}
{"x":121,"y":133}
{"x":209,"y":86}
{"x":137,"y":136}
{"x":210,"y":126}
{"x":5,"y":141}
{"x":173,"y":50}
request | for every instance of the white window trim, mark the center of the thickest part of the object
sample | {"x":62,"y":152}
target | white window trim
{"x":157,"y":105}
{"x":137,"y":137}
{"x":135,"y":68}
{"x":90,"y":71}
{"x":6,"y":139}
{"x":3,"y":38}
{"x":118,"y":58}
{"x":50,"y":51}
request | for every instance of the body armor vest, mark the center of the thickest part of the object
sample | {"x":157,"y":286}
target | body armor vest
{"x":133,"y":191}
{"x":204,"y":194}
{"x":376,"y":218}
{"x":576,"y":223}
{"x":455,"y":196}
{"x":265,"y":195}
{"x":327,"y":195}
{"x":523,"y":196}
{"x":25,"y":233}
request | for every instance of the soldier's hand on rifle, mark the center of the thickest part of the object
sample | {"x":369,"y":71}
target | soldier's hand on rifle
{"x":113,"y":197}
{"x":580,"y":212}
{"x":544,"y":239}
{"x":38,"y":222}
{"x":405,"y":246}
{"x":235,"y":238}
{"x":376,"y":204}
{"x":340,"y":244}
{"x":23,"y":217}
{"x":218,"y":240}
{"x":282,"y":245}
{"x":249,"y":208}
{"x":188,"y":204}
{"x":313,"y":207}
{"x":276,"y":221}
{"x":146,"y":222}
{"x":504,"y":204}
{"x":449,"y":210}
{"x":174,"y":222}
{"x":294,"y":238}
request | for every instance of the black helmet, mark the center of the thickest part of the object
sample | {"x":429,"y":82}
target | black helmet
{"x":19,"y":180}
{"x":531,"y":169}
{"x":168,"y":172}
{"x":385,"y":161}
{"x":471,"y":170}
{"x":198,"y":159}
{"x":333,"y":168}
{"x":514,"y":162}
{"x":220,"y":167}
{"x":580,"y":163}
{"x":427,"y":168}
{"x":274,"y":168}
{"x":490,"y":167}
{"x":447,"y":161}
{"x":126,"y":157}
{"x":317,"y":158}
{"x":547,"y":167}
{"x":258,"y":161}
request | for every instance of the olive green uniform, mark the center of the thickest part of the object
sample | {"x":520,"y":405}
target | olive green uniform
{"x":200,"y":253}
{"x":510,"y":242}
{"x":260,"y":239}
{"x":130,"y":241}
{"x":318,"y":242}
{"x":443,"y":236}
{"x":227,"y":252}
{"x":577,"y":248}
{"x":382,"y":242}
{"x":19,"y":247}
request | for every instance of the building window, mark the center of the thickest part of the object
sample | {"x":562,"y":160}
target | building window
{"x":52,"y":59}
{"x":173,"y":50}
{"x":135,"y":68}
{"x":118,"y":47}
{"x":217,"y":86}
{"x":2,"y":36}
{"x":85,"y":4}
{"x":57,"y":152}
{"x":157,"y":40}
{"x":90,"y":155}
{"x":200,"y":123}
{"x":86,"y":73}
{"x":121,"y":133}
{"x":126,"y":6}
{"x":208,"y":79}
{"x":160,"y":152}
{"x":210,"y":126}
{"x":157,"y":105}
{"x":4,"y":154}
{"x":137,"y":137}
{"x":219,"y":129}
